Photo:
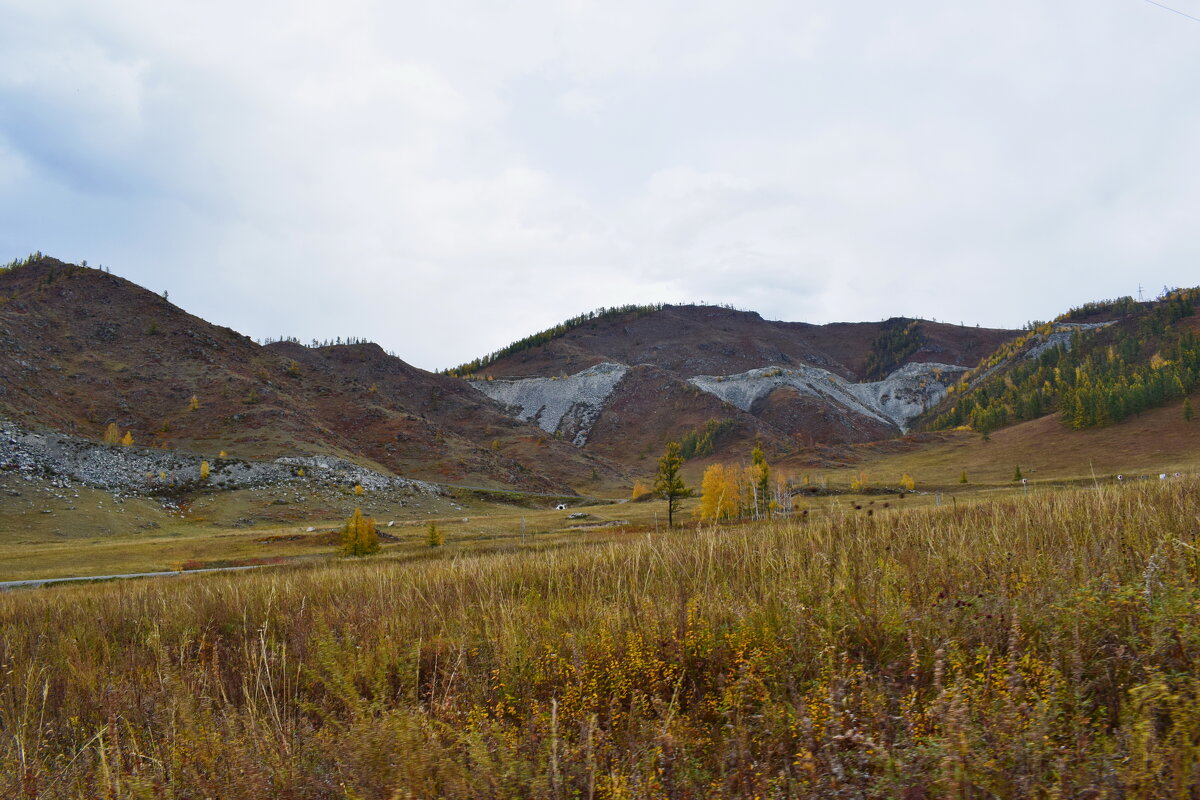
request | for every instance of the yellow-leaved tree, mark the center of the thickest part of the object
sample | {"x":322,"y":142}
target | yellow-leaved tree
{"x":194,"y":403}
{"x":639,"y":490}
{"x":359,"y":537}
{"x":112,"y":434}
{"x":907,"y":483}
{"x":720,"y":494}
{"x":128,"y":439}
{"x":358,"y":489}
{"x":203,"y":470}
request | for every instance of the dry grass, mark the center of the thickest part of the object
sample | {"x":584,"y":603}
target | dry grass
{"x":1157,"y":441}
{"x":1040,"y":646}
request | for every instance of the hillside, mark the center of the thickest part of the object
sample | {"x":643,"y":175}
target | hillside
{"x":1155,"y":442}
{"x":782,"y":383}
{"x":1096,"y":365}
{"x":81,"y":349}
{"x":712,"y":340}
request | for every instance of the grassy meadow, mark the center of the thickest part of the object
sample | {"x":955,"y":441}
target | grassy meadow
{"x":1023,"y":646}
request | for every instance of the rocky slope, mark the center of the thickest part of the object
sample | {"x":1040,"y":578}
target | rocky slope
{"x":81,"y":349}
{"x":145,"y":471}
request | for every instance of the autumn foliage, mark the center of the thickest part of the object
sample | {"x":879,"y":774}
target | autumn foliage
{"x":359,"y":536}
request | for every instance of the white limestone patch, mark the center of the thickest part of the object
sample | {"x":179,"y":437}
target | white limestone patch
{"x":895,"y":400}
{"x":568,"y":405}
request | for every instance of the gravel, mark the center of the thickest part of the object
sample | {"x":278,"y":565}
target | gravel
{"x":142,"y":471}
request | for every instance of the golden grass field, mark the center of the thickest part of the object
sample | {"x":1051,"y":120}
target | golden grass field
{"x":1040,"y":645}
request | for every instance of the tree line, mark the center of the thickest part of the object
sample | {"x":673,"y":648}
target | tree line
{"x":898,"y":340}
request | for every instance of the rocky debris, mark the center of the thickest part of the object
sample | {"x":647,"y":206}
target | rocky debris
{"x":567,"y":405}
{"x":135,"y":470}
{"x":895,"y":400}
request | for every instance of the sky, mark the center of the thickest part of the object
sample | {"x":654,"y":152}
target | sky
{"x":446,"y":177}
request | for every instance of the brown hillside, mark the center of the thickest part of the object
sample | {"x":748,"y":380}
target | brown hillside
{"x":82,"y":348}
{"x":652,"y":406}
{"x":709,"y":340}
{"x":1157,"y":441}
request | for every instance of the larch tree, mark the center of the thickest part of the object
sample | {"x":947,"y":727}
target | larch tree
{"x":128,"y":439}
{"x":668,"y":484}
{"x":359,"y":537}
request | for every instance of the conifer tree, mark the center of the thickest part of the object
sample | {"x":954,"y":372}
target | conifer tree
{"x":1017,"y":473}
{"x":128,"y":440}
{"x":194,"y":403}
{"x":203,"y":470}
{"x":434,"y":536}
{"x":668,"y":484}
{"x":359,"y":537}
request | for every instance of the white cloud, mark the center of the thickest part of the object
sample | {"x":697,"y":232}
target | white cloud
{"x":448,"y":177}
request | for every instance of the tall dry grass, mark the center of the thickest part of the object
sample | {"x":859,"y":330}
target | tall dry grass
{"x":1043,"y":646}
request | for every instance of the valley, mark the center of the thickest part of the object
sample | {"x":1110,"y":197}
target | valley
{"x":910,"y":559}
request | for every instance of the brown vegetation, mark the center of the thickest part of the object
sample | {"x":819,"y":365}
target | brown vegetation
{"x":1041,"y":645}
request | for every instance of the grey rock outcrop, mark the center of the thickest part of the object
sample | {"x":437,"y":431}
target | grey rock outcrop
{"x":895,"y":400}
{"x":568,"y":406}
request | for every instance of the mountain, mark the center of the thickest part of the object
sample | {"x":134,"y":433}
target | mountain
{"x":81,"y":349}
{"x":624,"y":381}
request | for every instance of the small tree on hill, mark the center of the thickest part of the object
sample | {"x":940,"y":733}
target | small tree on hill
{"x":639,"y":490}
{"x":907,"y":483}
{"x":963,"y":478}
{"x":128,"y":439}
{"x":194,"y":403}
{"x":358,"y":489}
{"x":359,"y":537}
{"x":434,"y":536}
{"x":203,"y":470}
{"x":112,"y":434}
{"x":1017,"y":473}
{"x":668,"y":484}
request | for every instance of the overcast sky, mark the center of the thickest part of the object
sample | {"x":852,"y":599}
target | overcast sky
{"x":446,"y":177}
